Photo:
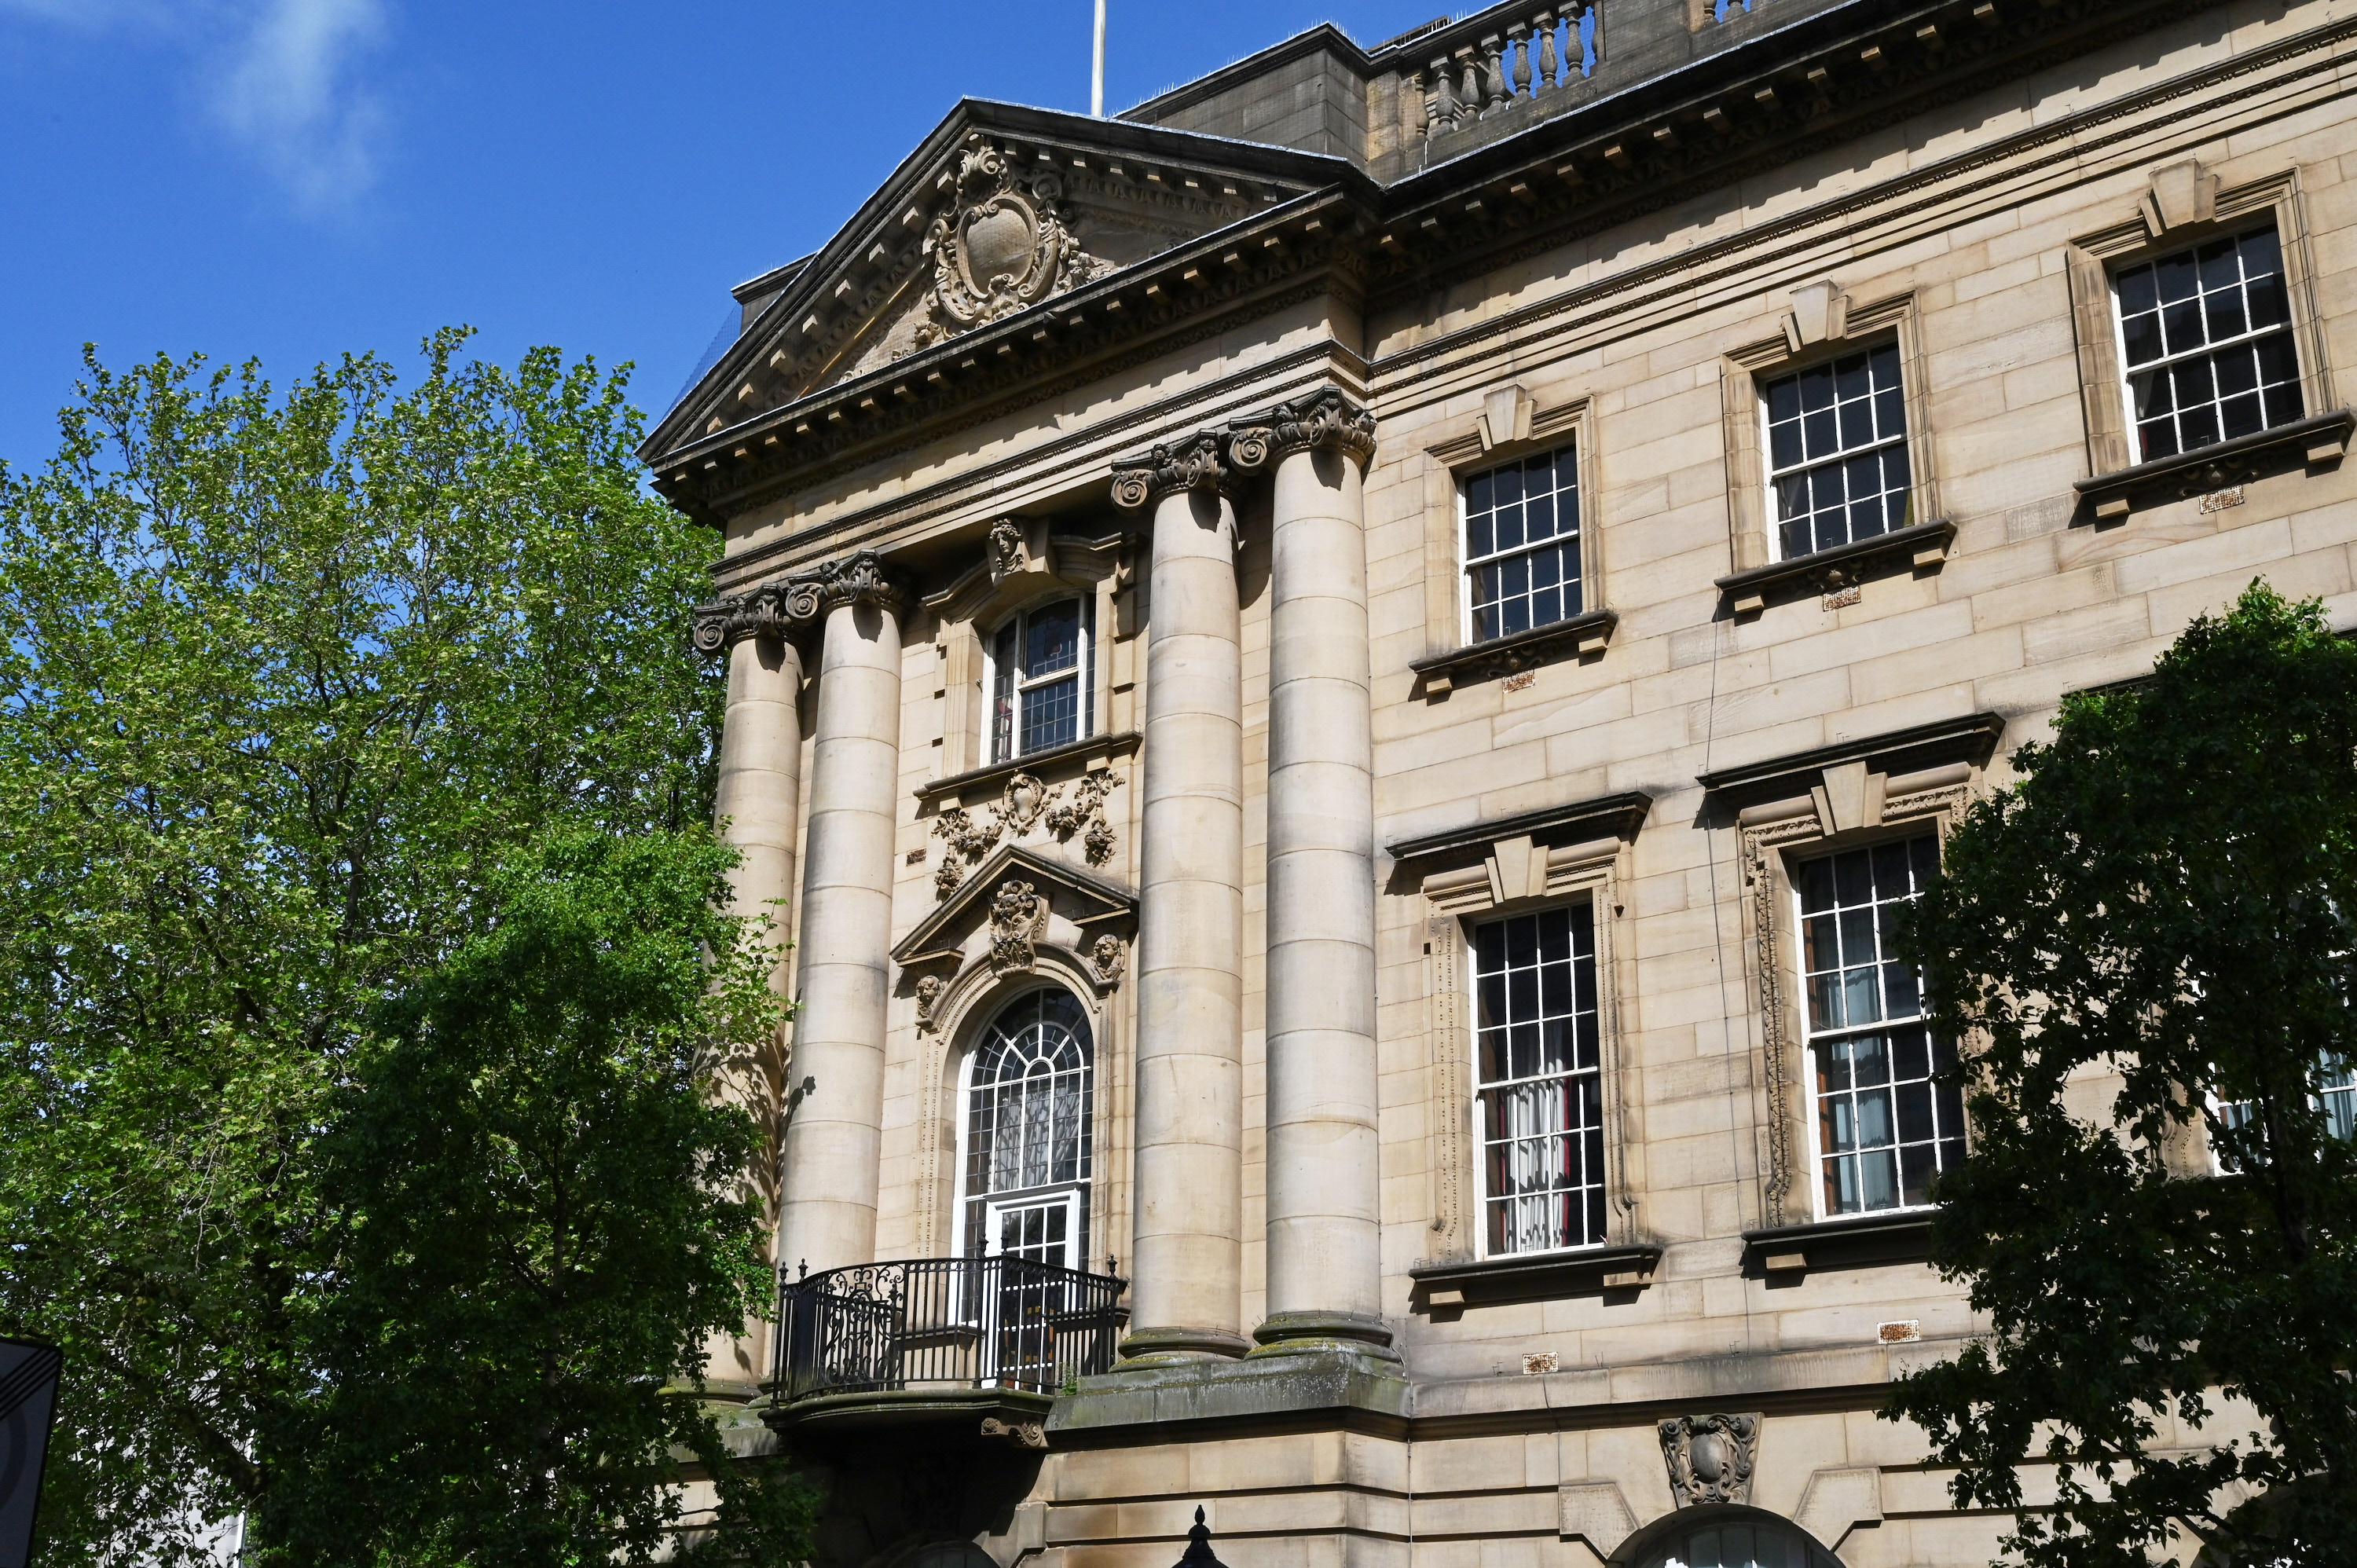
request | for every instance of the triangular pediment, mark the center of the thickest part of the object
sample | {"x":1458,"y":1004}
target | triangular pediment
{"x":1001,"y":211}
{"x":1085,"y":900}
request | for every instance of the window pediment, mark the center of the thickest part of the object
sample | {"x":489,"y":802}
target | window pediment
{"x":1069,"y":894}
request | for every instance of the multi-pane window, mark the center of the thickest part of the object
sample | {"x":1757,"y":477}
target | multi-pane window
{"x":1042,"y":682}
{"x":2334,"y":1087}
{"x":2206,"y":332}
{"x":1884,"y":1128}
{"x":1028,"y":1132}
{"x":1837,"y":452}
{"x":1537,"y":1076}
{"x":1522,"y":544}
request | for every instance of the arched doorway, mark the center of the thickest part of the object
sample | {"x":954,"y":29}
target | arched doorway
{"x":1028,"y":1099}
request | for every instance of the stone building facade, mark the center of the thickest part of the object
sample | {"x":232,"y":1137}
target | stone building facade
{"x":1335,"y":679}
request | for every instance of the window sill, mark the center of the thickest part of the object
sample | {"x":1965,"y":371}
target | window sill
{"x":1089,"y":749}
{"x":1446,"y":1287}
{"x":1843,"y":566}
{"x":1852,"y":1241}
{"x":2320,"y":440}
{"x":1516,"y":651}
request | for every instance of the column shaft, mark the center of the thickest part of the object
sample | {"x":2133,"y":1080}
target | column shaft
{"x":1187,"y":1271}
{"x":757,"y":795}
{"x":836,"y":1107}
{"x":1324,"y":1218}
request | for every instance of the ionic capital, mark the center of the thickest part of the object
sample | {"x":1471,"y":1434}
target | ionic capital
{"x":1323,"y":418}
{"x":1192,"y":463}
{"x":791,"y":606}
{"x":859,"y":578}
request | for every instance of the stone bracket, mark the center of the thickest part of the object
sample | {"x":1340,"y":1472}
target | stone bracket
{"x":1579,"y":636}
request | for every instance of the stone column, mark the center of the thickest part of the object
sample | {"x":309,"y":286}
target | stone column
{"x":1325,"y":1261}
{"x":1187,"y":1267}
{"x":835,"y":1103}
{"x":759,"y":791}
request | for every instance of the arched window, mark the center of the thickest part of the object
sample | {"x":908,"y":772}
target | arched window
{"x":1042,"y":679}
{"x":1027,"y":1132}
{"x":1738,"y":1543}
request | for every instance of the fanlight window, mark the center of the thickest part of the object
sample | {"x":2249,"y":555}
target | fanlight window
{"x":1740,"y":1543}
{"x":1027,"y":1132}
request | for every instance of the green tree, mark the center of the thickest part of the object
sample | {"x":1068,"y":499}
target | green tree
{"x":2145,"y":945}
{"x":282,"y":678}
{"x":538,"y":1218}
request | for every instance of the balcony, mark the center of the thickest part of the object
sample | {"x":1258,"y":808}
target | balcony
{"x":982,"y":1344}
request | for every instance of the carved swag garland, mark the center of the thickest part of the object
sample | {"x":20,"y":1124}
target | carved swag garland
{"x":1001,"y":245}
{"x":1026,"y":803}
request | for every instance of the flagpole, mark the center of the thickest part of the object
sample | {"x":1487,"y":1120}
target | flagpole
{"x":1096,"y":73}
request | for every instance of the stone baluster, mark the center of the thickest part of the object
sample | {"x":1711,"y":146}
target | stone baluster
{"x":758,"y":792}
{"x":1325,"y":1262}
{"x":1444,"y":88}
{"x":1187,"y":1267}
{"x":1414,"y":108}
{"x":1468,"y":91}
{"x":1493,"y":74}
{"x":1546,"y":79}
{"x":827,"y":1216}
{"x":1517,"y":46}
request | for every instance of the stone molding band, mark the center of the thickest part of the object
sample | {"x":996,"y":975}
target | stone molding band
{"x":1217,"y":460}
{"x":798,"y":604}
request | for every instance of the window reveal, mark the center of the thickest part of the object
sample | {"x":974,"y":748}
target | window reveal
{"x":1883,"y":1128}
{"x":2206,"y":335}
{"x":1538,"y":1081}
{"x":1042,"y":680}
{"x":1837,"y":469}
{"x":1522,"y":544}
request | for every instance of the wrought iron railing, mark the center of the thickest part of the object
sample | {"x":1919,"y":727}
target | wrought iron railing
{"x":981,"y":1323}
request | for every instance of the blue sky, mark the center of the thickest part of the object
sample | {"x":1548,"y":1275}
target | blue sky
{"x":288,"y":180}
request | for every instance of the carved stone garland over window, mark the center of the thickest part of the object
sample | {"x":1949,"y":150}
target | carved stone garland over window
{"x":1025,"y":803}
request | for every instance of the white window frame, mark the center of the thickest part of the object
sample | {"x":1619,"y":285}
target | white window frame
{"x":1076,"y":1245}
{"x":1468,"y":563}
{"x":1082,"y":675}
{"x":1597,"y":959}
{"x":1811,"y":1036}
{"x":1906,"y":440}
{"x":2221,"y":1109}
{"x":2249,"y":223}
{"x":1081,"y":1188}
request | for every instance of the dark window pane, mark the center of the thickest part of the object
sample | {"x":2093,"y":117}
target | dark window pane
{"x":2140,"y":336}
{"x":2136,"y":293}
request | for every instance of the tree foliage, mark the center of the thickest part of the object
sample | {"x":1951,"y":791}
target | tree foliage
{"x":283,"y":676}
{"x":2146,"y":945}
{"x":537,"y":1217}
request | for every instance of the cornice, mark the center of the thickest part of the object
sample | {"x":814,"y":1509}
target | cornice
{"x":1591,"y":167}
{"x":2053,"y":144}
{"x":1322,"y":359}
{"x":1280,"y":257}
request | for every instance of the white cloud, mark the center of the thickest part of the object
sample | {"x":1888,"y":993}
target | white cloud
{"x":279,"y":76}
{"x":289,"y":93}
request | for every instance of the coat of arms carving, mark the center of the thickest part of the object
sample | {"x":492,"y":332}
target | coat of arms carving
{"x":1709,"y":1457}
{"x":1001,"y":245}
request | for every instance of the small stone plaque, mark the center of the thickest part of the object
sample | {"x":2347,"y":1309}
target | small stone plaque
{"x":1842,"y":598}
{"x":2218,"y":500}
{"x":1903,"y":1332}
